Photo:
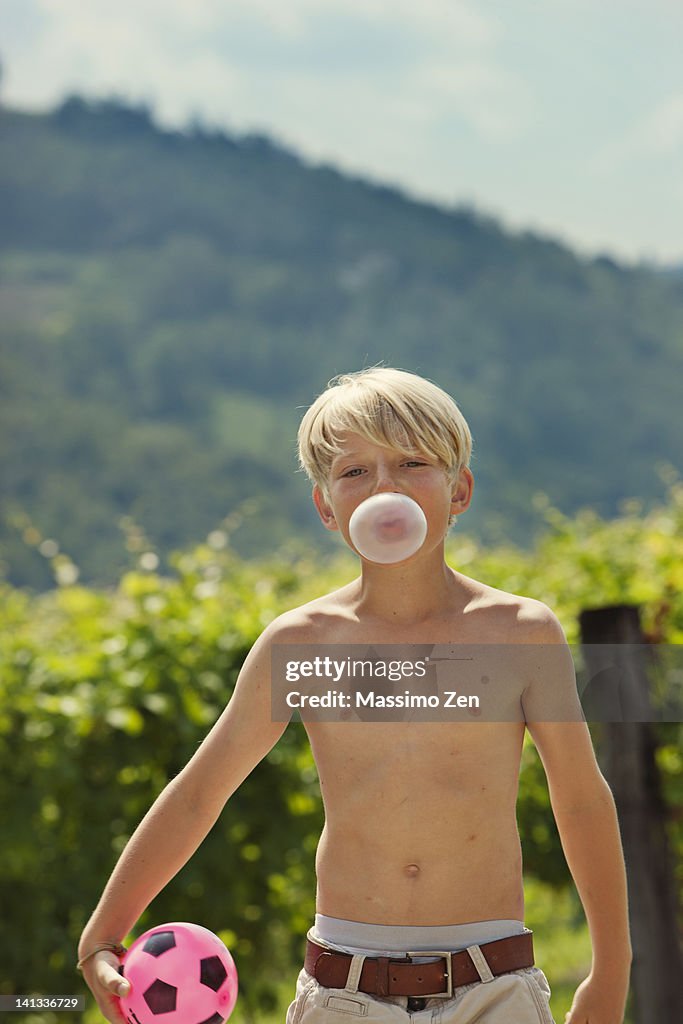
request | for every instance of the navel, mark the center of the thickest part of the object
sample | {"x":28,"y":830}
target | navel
{"x":412,"y":870}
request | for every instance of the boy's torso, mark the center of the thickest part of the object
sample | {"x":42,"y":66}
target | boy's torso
{"x":420,"y":816}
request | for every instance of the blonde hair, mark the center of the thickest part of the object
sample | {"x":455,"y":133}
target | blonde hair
{"x":387,"y":407}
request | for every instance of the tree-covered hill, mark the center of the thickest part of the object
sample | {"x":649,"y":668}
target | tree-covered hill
{"x":170,"y":301}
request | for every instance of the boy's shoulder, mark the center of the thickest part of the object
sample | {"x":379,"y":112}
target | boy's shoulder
{"x":482,"y":610}
{"x":513,"y":617}
{"x":310,"y":621}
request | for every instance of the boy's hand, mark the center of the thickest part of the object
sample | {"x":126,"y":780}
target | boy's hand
{"x":101,"y":973}
{"x":596,"y":1002}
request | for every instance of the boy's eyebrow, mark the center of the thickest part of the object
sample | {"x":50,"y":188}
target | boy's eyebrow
{"x":355,"y":453}
{"x":352,"y":453}
{"x":342,"y":457}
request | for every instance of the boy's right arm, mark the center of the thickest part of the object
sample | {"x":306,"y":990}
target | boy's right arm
{"x":181,"y":817}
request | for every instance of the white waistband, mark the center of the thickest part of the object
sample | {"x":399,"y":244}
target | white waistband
{"x":386,"y":940}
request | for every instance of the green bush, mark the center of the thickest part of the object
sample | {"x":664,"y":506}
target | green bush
{"x":104,"y":696}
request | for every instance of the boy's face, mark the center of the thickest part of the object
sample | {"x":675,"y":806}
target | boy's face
{"x":363,"y":469}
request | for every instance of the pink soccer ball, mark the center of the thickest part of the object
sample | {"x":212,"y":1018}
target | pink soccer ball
{"x":179,"y":973}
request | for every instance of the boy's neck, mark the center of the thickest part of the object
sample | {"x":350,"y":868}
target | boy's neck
{"x":418,"y":592}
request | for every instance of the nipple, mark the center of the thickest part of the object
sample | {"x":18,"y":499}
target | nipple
{"x":412,"y":870}
{"x":388,"y":527}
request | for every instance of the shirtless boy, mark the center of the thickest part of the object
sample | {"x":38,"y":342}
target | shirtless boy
{"x":420,"y":851}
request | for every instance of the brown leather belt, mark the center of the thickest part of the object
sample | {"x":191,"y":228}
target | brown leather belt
{"x":382,"y":976}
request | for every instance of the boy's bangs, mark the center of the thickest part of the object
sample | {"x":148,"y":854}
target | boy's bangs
{"x":387,"y":407}
{"x":376,"y":419}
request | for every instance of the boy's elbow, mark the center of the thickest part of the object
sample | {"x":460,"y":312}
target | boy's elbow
{"x":196,"y":801}
{"x":581,"y":796}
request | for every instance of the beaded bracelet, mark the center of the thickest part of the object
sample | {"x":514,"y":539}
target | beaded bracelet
{"x":109,"y":947}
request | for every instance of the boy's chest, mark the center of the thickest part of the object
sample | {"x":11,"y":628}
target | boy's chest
{"x":431,"y":757}
{"x":460,"y":684}
{"x":452,"y":723}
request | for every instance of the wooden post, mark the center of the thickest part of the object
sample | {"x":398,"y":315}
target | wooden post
{"x":619,"y":697}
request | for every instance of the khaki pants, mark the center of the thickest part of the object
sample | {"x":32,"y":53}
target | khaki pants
{"x":520,"y":997}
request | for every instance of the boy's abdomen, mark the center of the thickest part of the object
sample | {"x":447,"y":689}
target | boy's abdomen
{"x":426,"y":884}
{"x":421,"y":829}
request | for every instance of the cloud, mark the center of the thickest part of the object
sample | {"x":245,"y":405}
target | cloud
{"x":261,"y":63}
{"x":654,"y":136}
{"x":517,"y":105}
{"x":662,"y":131}
{"x":497,"y":105}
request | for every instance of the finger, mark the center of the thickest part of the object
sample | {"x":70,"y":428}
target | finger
{"x":108,"y":975}
{"x":111,"y":1008}
{"x":109,"y":1004}
{"x":109,"y":986}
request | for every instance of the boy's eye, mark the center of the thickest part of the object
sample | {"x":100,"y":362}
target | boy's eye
{"x":355,"y":470}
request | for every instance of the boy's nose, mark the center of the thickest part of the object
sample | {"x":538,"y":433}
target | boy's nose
{"x":385,"y":481}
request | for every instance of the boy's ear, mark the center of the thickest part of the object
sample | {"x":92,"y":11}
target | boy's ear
{"x":461,"y":493}
{"x":324,"y":509}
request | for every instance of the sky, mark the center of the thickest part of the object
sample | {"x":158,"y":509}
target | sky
{"x":563,"y":117}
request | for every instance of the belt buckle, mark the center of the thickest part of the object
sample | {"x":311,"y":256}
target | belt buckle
{"x":446,"y":955}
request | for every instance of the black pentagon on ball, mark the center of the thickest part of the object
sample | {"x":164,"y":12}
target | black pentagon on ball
{"x":215,"y":1018}
{"x":158,"y":943}
{"x":213,"y":973}
{"x":160,"y":997}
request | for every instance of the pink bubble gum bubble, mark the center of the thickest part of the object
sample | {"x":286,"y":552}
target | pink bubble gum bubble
{"x":388,"y":527}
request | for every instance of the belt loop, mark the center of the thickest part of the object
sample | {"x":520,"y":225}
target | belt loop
{"x":480,"y":962}
{"x":354,"y":973}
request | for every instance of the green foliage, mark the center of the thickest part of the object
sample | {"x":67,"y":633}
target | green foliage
{"x":171,"y":301}
{"x":104,"y":695}
{"x":589,"y":562}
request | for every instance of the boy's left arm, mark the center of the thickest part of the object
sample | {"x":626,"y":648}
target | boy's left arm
{"x":586,"y":817}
